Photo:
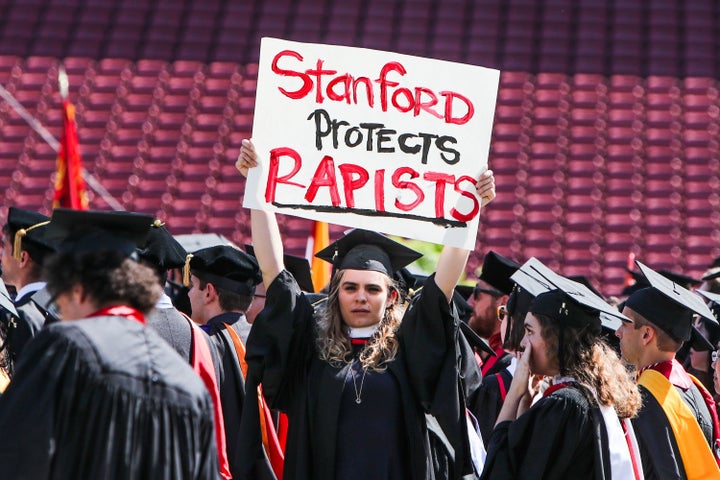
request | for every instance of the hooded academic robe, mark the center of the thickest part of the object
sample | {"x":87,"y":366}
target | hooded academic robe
{"x":661,"y":457}
{"x":232,"y":396}
{"x":561,"y":437}
{"x":104,"y":397}
{"x":423,"y":382}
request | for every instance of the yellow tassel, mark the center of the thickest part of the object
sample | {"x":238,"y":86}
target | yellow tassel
{"x":17,"y":244}
{"x":158,"y":223}
{"x":186,"y":270}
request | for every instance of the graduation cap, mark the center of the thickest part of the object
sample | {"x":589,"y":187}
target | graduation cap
{"x":162,"y":249}
{"x":497,"y":270}
{"x":192,"y":242}
{"x":536,"y":278}
{"x":92,"y":231}
{"x":712,"y":274}
{"x":298,"y":266}
{"x":668,"y":305}
{"x":585,"y":281}
{"x":366,"y":250}
{"x":226,"y":267}
{"x":29,"y":227}
{"x":641,"y":282}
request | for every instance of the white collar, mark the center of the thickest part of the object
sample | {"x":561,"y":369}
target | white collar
{"x":29,"y":289}
{"x":513,"y":365}
{"x":363,"y":332}
{"x":164,"y":302}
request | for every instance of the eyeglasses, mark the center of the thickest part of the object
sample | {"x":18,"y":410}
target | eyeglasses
{"x":501,"y":312}
{"x":714,"y":356}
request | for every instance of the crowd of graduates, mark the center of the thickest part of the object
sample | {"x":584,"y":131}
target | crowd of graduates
{"x":124,"y":356}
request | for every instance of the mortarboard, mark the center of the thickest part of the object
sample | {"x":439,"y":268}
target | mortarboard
{"x":712,"y":274}
{"x":464,"y":290}
{"x":668,"y":305}
{"x":90,"y":231}
{"x":497,"y":270}
{"x":683,"y":280}
{"x":366,"y":250}
{"x":30,"y":227}
{"x":536,"y":278}
{"x":161,"y":249}
{"x":193,"y":242}
{"x":299,"y":267}
{"x":226,"y":267}
{"x":585,"y":281}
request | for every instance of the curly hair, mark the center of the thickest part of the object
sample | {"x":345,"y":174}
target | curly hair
{"x":592,"y":363}
{"x":334,"y":342}
{"x":106,"y":277}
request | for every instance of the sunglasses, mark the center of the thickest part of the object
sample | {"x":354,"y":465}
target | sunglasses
{"x":490,"y":291}
{"x":501,"y":312}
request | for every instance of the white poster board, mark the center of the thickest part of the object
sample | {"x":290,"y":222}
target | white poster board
{"x":371,"y":139}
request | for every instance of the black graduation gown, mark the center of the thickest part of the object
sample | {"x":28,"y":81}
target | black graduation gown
{"x":488,"y":401}
{"x":231,"y":385}
{"x":561,"y":437}
{"x":658,"y":447}
{"x":105,"y":398}
{"x":282,"y":354}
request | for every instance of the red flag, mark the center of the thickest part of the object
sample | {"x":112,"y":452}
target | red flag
{"x":320,"y":268}
{"x":69,"y":183}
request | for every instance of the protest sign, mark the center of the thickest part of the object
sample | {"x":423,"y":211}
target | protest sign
{"x":371,"y":139}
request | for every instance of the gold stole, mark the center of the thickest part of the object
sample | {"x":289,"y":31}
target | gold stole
{"x":695,"y":452}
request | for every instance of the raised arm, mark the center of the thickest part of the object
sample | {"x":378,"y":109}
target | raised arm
{"x":452,"y":259}
{"x":266,"y":239}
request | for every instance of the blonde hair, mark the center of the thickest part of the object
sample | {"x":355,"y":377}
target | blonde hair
{"x":333,"y":341}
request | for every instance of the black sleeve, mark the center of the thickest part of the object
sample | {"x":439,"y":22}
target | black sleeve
{"x":282,"y":341}
{"x":428,"y":334}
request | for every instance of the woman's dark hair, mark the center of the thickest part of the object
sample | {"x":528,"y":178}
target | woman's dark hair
{"x":591,"y":362}
{"x":106,"y":277}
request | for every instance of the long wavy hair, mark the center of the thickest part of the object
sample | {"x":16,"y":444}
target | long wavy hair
{"x":592,"y":363}
{"x":333,"y":340}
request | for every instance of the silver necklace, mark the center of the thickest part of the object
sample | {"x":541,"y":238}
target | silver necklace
{"x":358,"y":393}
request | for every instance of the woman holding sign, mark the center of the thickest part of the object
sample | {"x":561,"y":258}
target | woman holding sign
{"x":371,"y":390}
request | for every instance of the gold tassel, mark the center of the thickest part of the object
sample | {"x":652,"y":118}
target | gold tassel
{"x":17,"y":253}
{"x":186,"y":270}
{"x":17,"y":244}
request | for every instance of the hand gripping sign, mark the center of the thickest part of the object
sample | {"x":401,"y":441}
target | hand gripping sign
{"x":371,"y":139}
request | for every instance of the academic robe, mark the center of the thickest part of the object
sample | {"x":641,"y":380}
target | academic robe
{"x":232,"y":396}
{"x":282,"y":353}
{"x":174,"y":328}
{"x":485,"y":405}
{"x":561,"y":437}
{"x":658,"y":446}
{"x":104,"y":397}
